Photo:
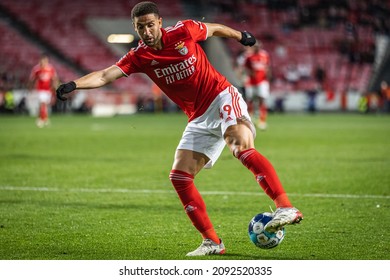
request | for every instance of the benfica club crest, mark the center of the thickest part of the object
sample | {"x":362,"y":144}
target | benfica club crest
{"x":181,"y":48}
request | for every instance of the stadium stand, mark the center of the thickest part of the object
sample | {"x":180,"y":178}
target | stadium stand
{"x":18,"y":56}
{"x":62,"y":24}
{"x":313,"y":32}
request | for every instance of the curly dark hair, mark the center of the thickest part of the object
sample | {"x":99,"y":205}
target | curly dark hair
{"x":144,"y":8}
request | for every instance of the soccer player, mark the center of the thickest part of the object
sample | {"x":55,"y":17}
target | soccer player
{"x":217,"y":114}
{"x":43,"y":79}
{"x":257,"y":65}
{"x":385,"y":94}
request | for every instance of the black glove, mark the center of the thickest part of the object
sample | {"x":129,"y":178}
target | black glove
{"x":247,"y":39}
{"x":64,"y":89}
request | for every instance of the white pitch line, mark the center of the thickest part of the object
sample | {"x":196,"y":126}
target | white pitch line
{"x":87,"y":190}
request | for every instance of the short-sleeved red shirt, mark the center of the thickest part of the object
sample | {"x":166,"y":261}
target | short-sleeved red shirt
{"x":258,"y":64}
{"x":181,"y":68}
{"x":43,"y":77}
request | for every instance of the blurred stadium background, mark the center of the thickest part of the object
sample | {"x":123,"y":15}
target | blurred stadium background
{"x":347,"y":40}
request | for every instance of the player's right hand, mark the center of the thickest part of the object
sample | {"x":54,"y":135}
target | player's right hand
{"x":63,"y":90}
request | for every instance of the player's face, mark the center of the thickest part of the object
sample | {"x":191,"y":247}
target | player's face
{"x":148,"y":29}
{"x":44,"y":61}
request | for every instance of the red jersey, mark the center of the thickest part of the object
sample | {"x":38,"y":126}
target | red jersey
{"x":181,"y":68}
{"x":257,"y":64}
{"x":43,"y":77}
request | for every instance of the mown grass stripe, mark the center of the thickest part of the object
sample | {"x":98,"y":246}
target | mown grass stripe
{"x":148,"y":191}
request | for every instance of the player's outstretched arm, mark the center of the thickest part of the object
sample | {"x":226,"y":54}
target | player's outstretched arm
{"x":92,"y":80}
{"x":220,"y":30}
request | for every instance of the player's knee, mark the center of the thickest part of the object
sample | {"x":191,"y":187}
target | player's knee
{"x":239,"y":142}
{"x":238,"y":150}
{"x":237,"y":145}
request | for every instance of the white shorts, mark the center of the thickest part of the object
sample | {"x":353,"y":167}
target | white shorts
{"x":205,"y":133}
{"x":260,"y":90}
{"x":44,"y":96}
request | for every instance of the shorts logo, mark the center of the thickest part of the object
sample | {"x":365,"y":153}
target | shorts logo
{"x":228,"y":110}
{"x":181,"y":48}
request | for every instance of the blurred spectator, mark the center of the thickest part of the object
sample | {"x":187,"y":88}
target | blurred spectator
{"x":320,"y":76}
{"x":291,"y":73}
{"x":305,"y":70}
{"x":279,"y":102}
{"x":363,"y":105}
{"x":351,"y":40}
{"x":9,"y":102}
{"x":311,"y":95}
{"x":157,"y":97}
{"x":385,"y":93}
{"x":281,"y":51}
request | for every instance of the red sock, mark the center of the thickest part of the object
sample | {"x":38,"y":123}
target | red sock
{"x":43,"y":112}
{"x":250,"y":107}
{"x":265,"y":175}
{"x":263,"y":111}
{"x":193,"y":203}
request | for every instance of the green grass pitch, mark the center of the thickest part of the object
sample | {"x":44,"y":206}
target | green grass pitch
{"x":97,"y":189}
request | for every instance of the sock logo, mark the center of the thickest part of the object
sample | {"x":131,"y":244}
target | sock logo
{"x":260,"y":178}
{"x":190,"y":208}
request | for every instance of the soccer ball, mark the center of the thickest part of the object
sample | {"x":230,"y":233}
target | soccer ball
{"x":261,"y":238}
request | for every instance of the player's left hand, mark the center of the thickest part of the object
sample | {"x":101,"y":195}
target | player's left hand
{"x":247,"y":39}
